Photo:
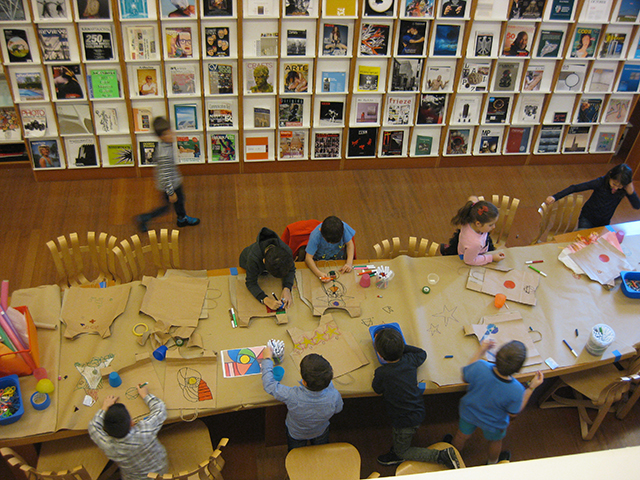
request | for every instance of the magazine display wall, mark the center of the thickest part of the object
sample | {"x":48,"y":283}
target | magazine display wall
{"x":250,"y":85}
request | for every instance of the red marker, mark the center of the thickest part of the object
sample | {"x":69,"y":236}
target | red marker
{"x":534,"y":261}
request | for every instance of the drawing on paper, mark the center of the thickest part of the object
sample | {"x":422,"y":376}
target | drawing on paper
{"x":335,"y":294}
{"x":91,"y":374}
{"x":447,"y":315}
{"x":194,"y":388}
{"x":241,"y":362}
{"x":319,"y":336}
{"x":433,"y":329}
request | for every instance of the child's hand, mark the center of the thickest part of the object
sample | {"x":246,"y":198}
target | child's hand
{"x":173,"y":198}
{"x":549,"y":200}
{"x":496,"y":257}
{"x":108,"y":401}
{"x":143,"y":391}
{"x":629,"y":189}
{"x":487,"y":345}
{"x":346,"y":268}
{"x":267,"y":353}
{"x":536,"y":381}
{"x":287,"y":299}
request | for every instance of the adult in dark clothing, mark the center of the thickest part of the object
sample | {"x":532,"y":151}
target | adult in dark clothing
{"x":608,"y":192}
{"x":269,"y":255}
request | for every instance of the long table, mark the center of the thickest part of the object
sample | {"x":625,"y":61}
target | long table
{"x":433,"y":321}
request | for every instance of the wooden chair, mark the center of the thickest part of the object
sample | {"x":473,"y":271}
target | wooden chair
{"x":186,"y":444}
{"x":17,"y":463}
{"x":414,"y":249}
{"x":164,"y":254}
{"x":69,"y":258}
{"x":558,"y":218}
{"x":410,"y":467}
{"x":605,"y":389}
{"x":507,"y":207}
{"x":325,"y":462}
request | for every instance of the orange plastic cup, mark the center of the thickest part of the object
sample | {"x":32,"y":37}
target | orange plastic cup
{"x":499,"y":300}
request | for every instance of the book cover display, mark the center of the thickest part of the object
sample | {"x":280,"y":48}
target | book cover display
{"x":483,"y":44}
{"x":588,"y":110}
{"x":411,"y":38}
{"x":585,"y":42}
{"x":223,"y":147}
{"x":617,"y":110}
{"x":292,"y":145}
{"x":334,"y":40}
{"x":216,"y":41}
{"x":147,"y":81}
{"x":118,"y":155}
{"x":466,"y":109}
{"x":104,"y":83}
{"x":362,"y":142}
{"x":142,"y":42}
{"x":367,"y":110}
{"x":612,"y":45}
{"x":55,"y":44}
{"x":549,"y":139}
{"x":374,"y":39}
{"x":133,"y":9}
{"x":605,"y":142}
{"x":93,"y":9}
{"x":392,"y":143}
{"x":506,"y":76}
{"x":186,"y":117}
{"x":178,"y":41}
{"x":326,"y":145}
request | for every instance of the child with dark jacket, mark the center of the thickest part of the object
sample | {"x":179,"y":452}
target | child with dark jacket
{"x":310,"y":405}
{"x":271,"y":255}
{"x":397,"y":382}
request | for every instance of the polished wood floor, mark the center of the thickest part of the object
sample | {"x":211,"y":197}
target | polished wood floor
{"x":377,"y":203}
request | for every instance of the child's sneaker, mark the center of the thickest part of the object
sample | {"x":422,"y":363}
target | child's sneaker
{"x":188,"y":221}
{"x":448,"y":438}
{"x":505,"y":456}
{"x":142,"y":225}
{"x":449,"y":458}
{"x":390,"y":459}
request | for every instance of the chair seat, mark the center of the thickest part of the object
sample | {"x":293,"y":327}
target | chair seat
{"x":331,"y":461}
{"x":66,"y":453}
{"x":591,"y":383}
{"x":187,"y":444}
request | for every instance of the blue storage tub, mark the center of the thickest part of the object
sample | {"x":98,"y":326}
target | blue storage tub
{"x":11,"y":406}
{"x":630,"y":276}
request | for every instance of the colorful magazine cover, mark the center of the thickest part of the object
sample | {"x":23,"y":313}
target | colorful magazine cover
{"x":334,"y":82}
{"x":104,"y":83}
{"x":446,"y":40}
{"x":617,"y":110}
{"x":612,"y":45}
{"x":183,"y":79}
{"x":379,"y":8}
{"x":189,"y":150}
{"x":259,"y":76}
{"x":296,"y":76}
{"x":438,"y":78}
{"x":454,"y":8}
{"x":585,"y":42}
{"x":392,"y":142}
{"x":291,"y":144}
{"x":147,"y":78}
{"x":45,"y":153}
{"x":17,"y":45}
{"x":432,"y":109}
{"x":374,"y":39}
{"x":220,"y":115}
{"x":223,"y":147}
{"x":527,"y":9}
{"x":399,"y":110}
{"x":66,"y":79}
{"x":331,"y":113}
{"x":549,"y":43}
{"x":119,"y":154}
{"x":605,"y":142}
{"x":424,"y":144}
{"x":327,"y":145}
{"x":141,"y":42}
{"x":132,"y":9}
{"x":55,"y":44}
{"x":34,"y":121}
{"x":589,"y":110}
{"x":419,"y":8}
{"x":497,"y":110}
{"x":458,"y":141}
{"x":217,"y":41}
{"x":9,"y":125}
{"x":186,"y":117}
{"x":475,"y":77}
{"x":179,"y":42}
{"x":29,"y":86}
{"x":518,"y":40}
{"x":362,"y":142}
{"x":518,"y":140}
{"x":629,"y":78}
{"x":334,"y":40}
{"x":367,"y":110}
{"x":290,"y":112}
{"x":147,"y":151}
{"x":94,"y":9}
{"x":220,"y":78}
{"x":411,"y":39}
{"x":368,"y":78}
{"x":178,"y":8}
{"x":577,"y":139}
{"x":218,"y":8}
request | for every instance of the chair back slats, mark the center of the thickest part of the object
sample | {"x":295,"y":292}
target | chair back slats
{"x":423,"y":248}
{"x":507,"y":208}
{"x":17,"y":462}
{"x":210,"y":469}
{"x":558,"y":218}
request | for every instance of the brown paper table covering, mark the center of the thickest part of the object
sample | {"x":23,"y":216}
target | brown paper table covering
{"x":433,"y":321}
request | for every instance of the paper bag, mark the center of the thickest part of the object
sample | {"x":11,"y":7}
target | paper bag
{"x":174,"y":300}
{"x":190,"y":383}
{"x":248,"y":307}
{"x":341,"y":293}
{"x":92,"y":310}
{"x":518,"y":285}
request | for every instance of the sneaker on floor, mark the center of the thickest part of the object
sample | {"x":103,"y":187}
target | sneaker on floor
{"x":390,"y":459}
{"x":142,"y":225}
{"x":448,"y":438}
{"x":449,"y":458}
{"x":505,"y":456}
{"x":188,"y":221}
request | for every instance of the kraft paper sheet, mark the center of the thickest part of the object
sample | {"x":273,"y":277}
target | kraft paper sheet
{"x":248,"y":307}
{"x":344,"y":292}
{"x":518,"y":285}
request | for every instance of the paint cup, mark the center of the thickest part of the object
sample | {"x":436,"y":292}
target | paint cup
{"x":365,"y":280}
{"x":601,"y":337}
{"x":160,"y":352}
{"x":278,"y":373}
{"x":433,"y":278}
{"x":114,"y":379}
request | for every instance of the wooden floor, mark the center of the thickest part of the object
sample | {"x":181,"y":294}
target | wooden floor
{"x":377,"y":203}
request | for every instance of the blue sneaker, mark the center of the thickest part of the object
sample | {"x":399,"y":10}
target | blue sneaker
{"x":188,"y":221}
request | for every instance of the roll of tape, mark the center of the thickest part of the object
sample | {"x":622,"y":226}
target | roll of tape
{"x":135,"y":329}
{"x":40,"y":401}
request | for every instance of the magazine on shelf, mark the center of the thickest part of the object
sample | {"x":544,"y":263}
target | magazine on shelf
{"x":93,"y":9}
{"x":585,"y":41}
{"x":368,"y":78}
{"x":432,"y":109}
{"x":34,"y":121}
{"x":220,"y":78}
{"x":617,"y":110}
{"x":300,"y":8}
{"x":217,"y":41}
{"x":218,"y":8}
{"x":612,"y":45}
{"x":147,"y":149}
{"x":561,"y":10}
{"x":74,"y":118}
{"x":588,"y":110}
{"x":339,"y":8}
{"x":326,"y":145}
{"x":518,"y":140}
{"x":186,"y":117}
{"x":605,"y":142}
{"x":454,"y":8}
{"x":189,"y":150}
{"x":374,"y":39}
{"x":362,"y":142}
{"x":549,"y":139}
{"x":379,"y":8}
{"x":119,"y":154}
{"x":411,"y":38}
{"x":367,"y":110}
{"x":466,"y":109}
{"x":334,"y":82}
{"x":292,"y":144}
{"x":331,"y":113}
{"x":260,"y":76}
{"x":296,"y":76}
{"x":290,"y":112}
{"x":424,"y":145}
{"x":104,"y":83}
{"x":133,"y":9}
{"x":147,"y":80}
{"x":601,"y":79}
{"x":81,"y":152}
{"x":571,"y":77}
{"x":13,"y":11}
{"x":549,"y":43}
{"x":576,"y":140}
{"x":9,"y":125}
{"x":438,"y":78}
{"x":506,"y":76}
{"x":46,"y":154}
{"x":458,"y":141}
{"x":261,"y":117}
{"x":29,"y":86}
{"x":335,"y":40}
{"x":399,"y":110}
{"x":106,"y":119}
{"x":445,"y":43}
{"x":518,"y":40}
{"x":142,"y":43}
{"x":178,"y":9}
{"x":67,"y":81}
{"x":392,"y":142}
{"x":529,"y":109}
{"x":527,"y":9}
{"x":142,"y":119}
{"x":418,"y":8}
{"x":483,"y":44}
{"x":17,"y":43}
{"x":296,"y":43}
{"x":489,"y":140}
{"x":497,"y":110}
{"x":629,"y":78}
{"x":405,"y":76}
{"x":628,"y":11}
{"x":55,"y":44}
{"x":183,"y":79}
{"x":533,"y":78}
{"x":97,"y":43}
{"x":220,"y":114}
{"x":179,"y":42}
{"x":223,"y":147}
{"x":475,"y":77}
{"x":267,"y":45}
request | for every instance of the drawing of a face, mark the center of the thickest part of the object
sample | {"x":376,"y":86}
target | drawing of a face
{"x":193,"y":387}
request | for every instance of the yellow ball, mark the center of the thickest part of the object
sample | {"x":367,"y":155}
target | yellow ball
{"x":45,"y":386}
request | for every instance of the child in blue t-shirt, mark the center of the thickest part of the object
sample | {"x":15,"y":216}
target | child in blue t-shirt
{"x":331,"y":240}
{"x":493,"y":395}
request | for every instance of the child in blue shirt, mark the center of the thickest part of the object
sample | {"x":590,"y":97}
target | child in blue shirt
{"x":493,"y":395}
{"x":331,"y":240}
{"x":310,"y":405}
